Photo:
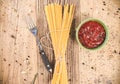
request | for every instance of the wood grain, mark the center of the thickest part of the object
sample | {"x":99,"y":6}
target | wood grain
{"x":19,"y":57}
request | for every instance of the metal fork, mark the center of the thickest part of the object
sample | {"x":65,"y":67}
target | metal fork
{"x":33,"y":29}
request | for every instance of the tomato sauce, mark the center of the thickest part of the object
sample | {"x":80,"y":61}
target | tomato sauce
{"x":91,"y":34}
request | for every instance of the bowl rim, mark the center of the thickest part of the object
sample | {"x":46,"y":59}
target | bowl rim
{"x":92,"y":19}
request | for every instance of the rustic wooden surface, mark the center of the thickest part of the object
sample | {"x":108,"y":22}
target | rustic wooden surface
{"x":19,"y":57}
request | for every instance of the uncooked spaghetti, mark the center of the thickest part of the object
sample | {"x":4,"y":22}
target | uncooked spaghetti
{"x":59,"y":22}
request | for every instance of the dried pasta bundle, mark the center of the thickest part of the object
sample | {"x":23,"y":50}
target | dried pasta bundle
{"x":59,"y":22}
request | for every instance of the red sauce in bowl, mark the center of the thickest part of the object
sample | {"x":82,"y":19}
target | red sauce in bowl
{"x":91,"y":34}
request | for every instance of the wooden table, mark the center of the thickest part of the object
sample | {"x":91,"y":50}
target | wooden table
{"x":19,"y":57}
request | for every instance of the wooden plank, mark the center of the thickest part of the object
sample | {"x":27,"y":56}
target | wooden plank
{"x":1,"y":26}
{"x":44,"y":77}
{"x":99,"y":67}
{"x":19,"y":46}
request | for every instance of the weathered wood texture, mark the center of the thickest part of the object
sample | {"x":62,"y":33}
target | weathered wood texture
{"x":19,"y":57}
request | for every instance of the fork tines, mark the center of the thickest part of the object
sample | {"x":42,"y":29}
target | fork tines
{"x":30,"y":22}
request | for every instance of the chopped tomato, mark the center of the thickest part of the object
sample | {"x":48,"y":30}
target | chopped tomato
{"x":91,"y":34}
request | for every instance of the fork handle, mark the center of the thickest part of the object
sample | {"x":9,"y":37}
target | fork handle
{"x":45,"y":61}
{"x":44,"y":56}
